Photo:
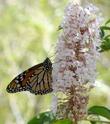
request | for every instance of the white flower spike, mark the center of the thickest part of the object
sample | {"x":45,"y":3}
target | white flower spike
{"x":74,"y":73}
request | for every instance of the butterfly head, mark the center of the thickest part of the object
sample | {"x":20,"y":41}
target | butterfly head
{"x":47,"y":64}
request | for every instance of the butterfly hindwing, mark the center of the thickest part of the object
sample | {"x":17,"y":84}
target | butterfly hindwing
{"x":43,"y":85}
{"x":37,"y":79}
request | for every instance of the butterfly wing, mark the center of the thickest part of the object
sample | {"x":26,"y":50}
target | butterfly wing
{"x":34,"y":80}
{"x":21,"y":82}
{"x":42,"y":84}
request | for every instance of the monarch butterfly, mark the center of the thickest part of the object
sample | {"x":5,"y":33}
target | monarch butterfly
{"x":37,"y":79}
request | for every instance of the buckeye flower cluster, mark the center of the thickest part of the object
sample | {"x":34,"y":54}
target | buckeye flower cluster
{"x":74,"y":71}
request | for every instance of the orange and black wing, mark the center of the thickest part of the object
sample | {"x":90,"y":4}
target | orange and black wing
{"x":36,"y":80}
{"x":42,"y":83}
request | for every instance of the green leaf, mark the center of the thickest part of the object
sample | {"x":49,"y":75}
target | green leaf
{"x":106,"y":37}
{"x":105,"y":28}
{"x":105,"y":46}
{"x":102,"y":33}
{"x":63,"y":122}
{"x":107,"y":22}
{"x":46,"y":117}
{"x":100,"y":110}
{"x":33,"y":121}
{"x":93,"y":122}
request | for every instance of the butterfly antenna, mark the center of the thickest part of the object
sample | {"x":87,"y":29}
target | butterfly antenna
{"x":52,"y":53}
{"x":50,"y":50}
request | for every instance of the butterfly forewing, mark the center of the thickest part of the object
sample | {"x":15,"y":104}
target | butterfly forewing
{"x":37,"y":79}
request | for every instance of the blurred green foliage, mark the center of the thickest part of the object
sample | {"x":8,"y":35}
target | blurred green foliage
{"x":105,"y":36}
{"x":95,"y":114}
{"x":100,"y":110}
{"x":28,"y":33}
{"x":48,"y":118}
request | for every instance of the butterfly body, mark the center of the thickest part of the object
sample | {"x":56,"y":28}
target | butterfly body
{"x":37,"y":79}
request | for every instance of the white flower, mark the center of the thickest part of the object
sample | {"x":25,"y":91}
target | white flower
{"x":75,"y":70}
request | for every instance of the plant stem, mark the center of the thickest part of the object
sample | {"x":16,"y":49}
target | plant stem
{"x":75,"y":122}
